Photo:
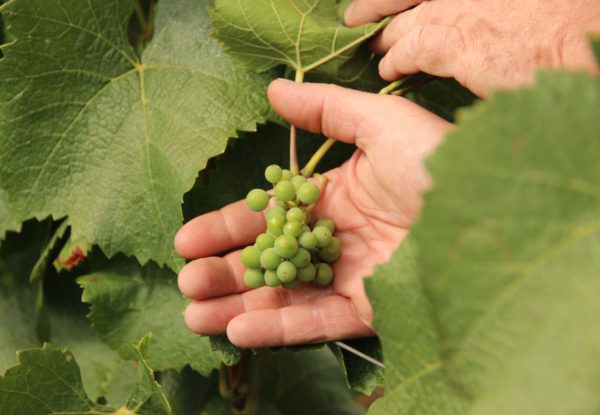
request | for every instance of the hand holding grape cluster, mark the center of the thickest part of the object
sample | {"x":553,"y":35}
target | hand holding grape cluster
{"x":290,"y":252}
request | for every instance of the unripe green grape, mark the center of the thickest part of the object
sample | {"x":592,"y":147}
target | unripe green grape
{"x":308,"y":240}
{"x":253,"y":278}
{"x":275,"y":211}
{"x":331,"y":252}
{"x":257,"y":200}
{"x":296,"y":214}
{"x":264,"y":241}
{"x":286,"y":175}
{"x":273,"y":173}
{"x":251,"y":257}
{"x":306,"y":274}
{"x":293,"y":228}
{"x":291,"y":285}
{"x":271,"y":279}
{"x":308,"y":193}
{"x":269,"y":259}
{"x":324,"y":274}
{"x":301,"y":259}
{"x":284,"y":191}
{"x":323,"y":236}
{"x":286,"y":272}
{"x":298,"y":181}
{"x":286,"y":246}
{"x":275,"y":225}
{"x":328,"y":223}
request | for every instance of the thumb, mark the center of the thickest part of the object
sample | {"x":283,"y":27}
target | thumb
{"x":353,"y":116}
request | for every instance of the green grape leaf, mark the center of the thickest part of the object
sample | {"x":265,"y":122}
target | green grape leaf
{"x":301,"y":34}
{"x":129,"y":301}
{"x":90,"y":131}
{"x":48,"y":381}
{"x":305,"y":382}
{"x":508,"y":261}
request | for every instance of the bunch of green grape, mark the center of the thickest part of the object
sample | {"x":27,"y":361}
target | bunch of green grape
{"x":290,"y":251}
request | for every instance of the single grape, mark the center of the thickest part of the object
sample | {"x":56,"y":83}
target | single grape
{"x":269,"y":259}
{"x":298,"y":181}
{"x":301,"y":259}
{"x":324,"y":274}
{"x":323,"y":236}
{"x":271,"y":279}
{"x":275,"y":225}
{"x":293,"y":228}
{"x":284,"y":191}
{"x":328,"y":223}
{"x":253,"y":278}
{"x":286,"y":272}
{"x":273,"y":173}
{"x":257,"y":200}
{"x":296,"y":214}
{"x":331,"y":252}
{"x":264,"y":241}
{"x":291,"y":285}
{"x":286,"y":175}
{"x":251,"y":257}
{"x":307,"y":274}
{"x":275,"y":211}
{"x":286,"y":246}
{"x":308,"y":193}
{"x":308,"y":240}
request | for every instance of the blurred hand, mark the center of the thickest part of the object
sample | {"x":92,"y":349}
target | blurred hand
{"x":373,"y":198}
{"x":484,"y":44}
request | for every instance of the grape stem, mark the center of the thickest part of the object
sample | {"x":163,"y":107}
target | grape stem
{"x":326,"y":146}
{"x":293,"y":136}
{"x":316,"y":158}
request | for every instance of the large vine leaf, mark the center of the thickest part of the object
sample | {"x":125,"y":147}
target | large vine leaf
{"x":90,"y":131}
{"x":509,"y":260}
{"x":48,"y":381}
{"x":305,"y":382}
{"x":301,"y":34}
{"x":129,"y":302}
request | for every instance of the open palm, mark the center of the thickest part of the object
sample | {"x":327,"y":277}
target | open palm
{"x":373,"y":199}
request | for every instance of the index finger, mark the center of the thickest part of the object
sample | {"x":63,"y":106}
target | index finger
{"x":232,"y":226}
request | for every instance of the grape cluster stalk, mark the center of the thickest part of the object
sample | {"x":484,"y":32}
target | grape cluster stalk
{"x":290,"y":251}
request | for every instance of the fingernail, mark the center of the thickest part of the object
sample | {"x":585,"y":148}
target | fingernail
{"x":348,"y":12}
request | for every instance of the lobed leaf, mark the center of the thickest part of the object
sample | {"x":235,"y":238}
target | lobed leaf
{"x":505,"y":289}
{"x":128,"y":302}
{"x":301,"y":34}
{"x":92,"y":132}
